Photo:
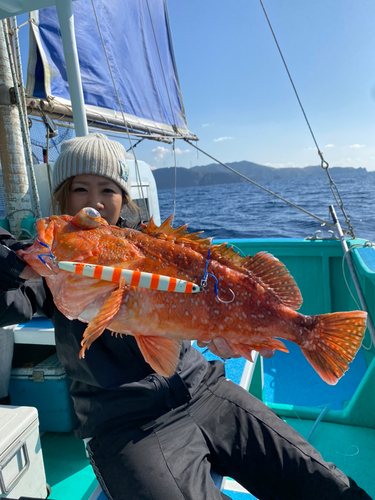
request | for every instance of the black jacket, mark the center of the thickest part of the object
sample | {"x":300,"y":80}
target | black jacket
{"x":113,"y":381}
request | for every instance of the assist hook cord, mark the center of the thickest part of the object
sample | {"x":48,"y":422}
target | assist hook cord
{"x":50,"y":255}
{"x":204,"y":280}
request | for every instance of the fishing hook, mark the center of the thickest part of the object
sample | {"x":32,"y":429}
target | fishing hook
{"x":204,"y":284}
{"x":50,"y":255}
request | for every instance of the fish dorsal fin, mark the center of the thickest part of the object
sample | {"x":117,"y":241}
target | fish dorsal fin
{"x":223,"y":253}
{"x":179,"y":234}
{"x":275,"y":277}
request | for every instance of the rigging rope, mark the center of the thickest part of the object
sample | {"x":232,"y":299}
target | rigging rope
{"x":122,"y":112}
{"x":323,"y":163}
{"x":135,"y":145}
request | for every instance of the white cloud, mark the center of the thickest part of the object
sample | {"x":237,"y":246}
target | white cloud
{"x":223,"y":139}
{"x":329,"y":145}
{"x":281,"y":165}
{"x":357,"y":146}
{"x":160,"y":152}
{"x":205,"y":125}
{"x":129,"y":156}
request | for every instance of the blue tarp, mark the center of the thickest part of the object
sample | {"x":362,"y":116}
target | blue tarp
{"x":139,"y":48}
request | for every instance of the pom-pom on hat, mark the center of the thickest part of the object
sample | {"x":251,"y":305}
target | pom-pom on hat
{"x":92,"y":154}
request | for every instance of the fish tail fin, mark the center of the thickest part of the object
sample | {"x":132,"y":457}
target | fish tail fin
{"x":334,"y":342}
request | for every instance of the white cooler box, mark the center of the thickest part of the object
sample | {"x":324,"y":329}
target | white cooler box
{"x":21,"y":461}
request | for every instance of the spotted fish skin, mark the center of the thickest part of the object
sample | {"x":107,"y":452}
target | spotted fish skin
{"x":264,"y":307}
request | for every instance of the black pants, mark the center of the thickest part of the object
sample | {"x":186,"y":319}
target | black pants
{"x":224,"y":428}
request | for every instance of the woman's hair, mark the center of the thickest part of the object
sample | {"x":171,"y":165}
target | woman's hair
{"x":60,"y":198}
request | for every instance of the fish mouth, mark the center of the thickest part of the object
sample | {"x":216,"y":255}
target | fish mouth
{"x":45,"y":229}
{"x":39,"y":256}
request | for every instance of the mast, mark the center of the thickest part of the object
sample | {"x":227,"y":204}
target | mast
{"x":15,"y":178}
{"x":66,"y":20}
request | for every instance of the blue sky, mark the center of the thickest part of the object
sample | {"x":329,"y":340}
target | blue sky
{"x":237,"y":95}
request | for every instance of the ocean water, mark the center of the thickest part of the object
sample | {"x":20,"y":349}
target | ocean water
{"x":245,"y":211}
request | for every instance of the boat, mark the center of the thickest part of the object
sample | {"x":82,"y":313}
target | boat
{"x":339,"y":421}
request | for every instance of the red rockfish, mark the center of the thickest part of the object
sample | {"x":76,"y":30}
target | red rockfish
{"x":246,"y":300}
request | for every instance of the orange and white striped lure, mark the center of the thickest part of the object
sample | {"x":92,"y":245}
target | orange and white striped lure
{"x":132,"y":278}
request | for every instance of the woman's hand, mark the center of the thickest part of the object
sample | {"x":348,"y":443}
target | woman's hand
{"x":29,"y":274}
{"x":221,"y":348}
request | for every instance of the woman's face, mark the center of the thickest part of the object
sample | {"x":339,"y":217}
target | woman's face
{"x":101,"y":193}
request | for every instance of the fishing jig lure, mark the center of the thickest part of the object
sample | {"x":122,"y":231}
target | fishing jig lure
{"x":132,"y":278}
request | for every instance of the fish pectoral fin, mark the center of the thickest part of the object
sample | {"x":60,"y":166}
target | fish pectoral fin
{"x":104,"y":317}
{"x":161,"y":353}
{"x":275,"y":277}
{"x":245,"y":350}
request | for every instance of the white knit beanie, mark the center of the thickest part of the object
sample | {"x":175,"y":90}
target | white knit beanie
{"x":92,"y":154}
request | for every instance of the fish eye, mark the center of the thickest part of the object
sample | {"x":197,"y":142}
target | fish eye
{"x":91,"y":212}
{"x":88,"y":218}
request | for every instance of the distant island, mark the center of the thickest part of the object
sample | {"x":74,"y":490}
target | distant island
{"x":217,"y":174}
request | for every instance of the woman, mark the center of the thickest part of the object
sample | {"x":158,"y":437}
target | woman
{"x":149,"y":436}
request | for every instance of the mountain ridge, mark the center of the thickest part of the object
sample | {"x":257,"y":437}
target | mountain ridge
{"x":214,"y":173}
